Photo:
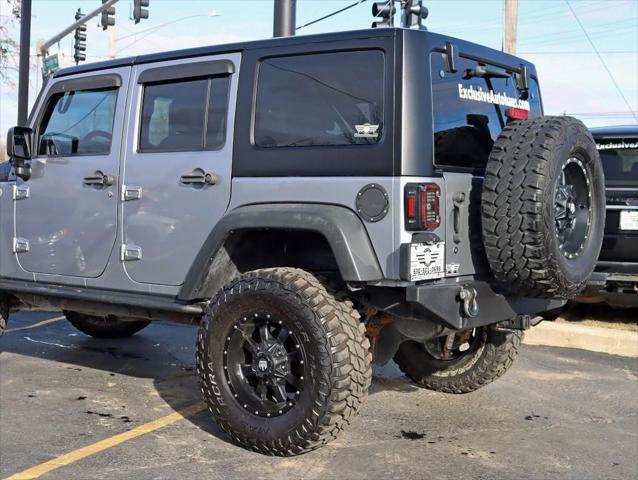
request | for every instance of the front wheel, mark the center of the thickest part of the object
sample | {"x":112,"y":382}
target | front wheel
{"x":105,"y":327}
{"x":461,"y":362}
{"x":283,"y":365}
{"x":4,"y":313}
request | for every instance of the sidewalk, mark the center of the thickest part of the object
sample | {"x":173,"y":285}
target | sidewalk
{"x":560,"y":333}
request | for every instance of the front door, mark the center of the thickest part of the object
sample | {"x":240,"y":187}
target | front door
{"x":177,"y":171}
{"x":66,"y":213}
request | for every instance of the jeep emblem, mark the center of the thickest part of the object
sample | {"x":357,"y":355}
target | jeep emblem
{"x":366,"y":130}
{"x":262,"y":365}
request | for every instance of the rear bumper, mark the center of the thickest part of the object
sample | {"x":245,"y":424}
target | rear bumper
{"x":446,"y":304}
{"x":443,"y":303}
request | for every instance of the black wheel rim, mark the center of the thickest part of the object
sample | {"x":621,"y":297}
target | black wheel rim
{"x":572,"y":208}
{"x":455,"y":346}
{"x":264,"y":364}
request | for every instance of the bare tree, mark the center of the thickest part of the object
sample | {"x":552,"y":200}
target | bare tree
{"x":9,"y":48}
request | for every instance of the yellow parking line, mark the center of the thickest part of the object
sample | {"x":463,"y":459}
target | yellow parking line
{"x":35,"y":325}
{"x":71,"y":457}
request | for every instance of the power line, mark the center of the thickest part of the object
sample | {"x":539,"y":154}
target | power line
{"x":581,"y":52}
{"x":336,"y":12}
{"x":600,"y":114}
{"x":600,"y":57}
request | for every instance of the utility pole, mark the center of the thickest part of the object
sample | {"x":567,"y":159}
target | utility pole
{"x":112,"y":42}
{"x":23,"y":70}
{"x":510,"y":26}
{"x":285,"y":16}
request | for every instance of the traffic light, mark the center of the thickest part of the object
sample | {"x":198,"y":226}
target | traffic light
{"x":79,"y":44}
{"x":413,"y":13}
{"x":384,"y":10}
{"x":108,"y":17}
{"x":139,"y":12}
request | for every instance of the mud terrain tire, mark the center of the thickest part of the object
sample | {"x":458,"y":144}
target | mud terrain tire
{"x":109,"y":327}
{"x":490,"y":358}
{"x":543,"y":207}
{"x":330,"y":338}
{"x":4,"y":313}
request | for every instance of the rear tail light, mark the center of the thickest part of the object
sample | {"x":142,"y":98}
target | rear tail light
{"x":422,"y":206}
{"x":429,"y":206}
{"x":517,"y":113}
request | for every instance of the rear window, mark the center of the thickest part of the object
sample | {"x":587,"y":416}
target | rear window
{"x":470,"y":112}
{"x":320,"y":99}
{"x":184,"y":115}
{"x":620,"y":161}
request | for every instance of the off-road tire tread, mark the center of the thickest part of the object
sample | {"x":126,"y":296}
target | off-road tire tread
{"x":496,"y":359}
{"x":4,"y":314}
{"x":512,"y":209}
{"x":346,"y":375}
{"x":98,"y":328}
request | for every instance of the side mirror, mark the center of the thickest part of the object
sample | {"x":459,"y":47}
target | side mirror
{"x":20,"y":143}
{"x":19,"y":149}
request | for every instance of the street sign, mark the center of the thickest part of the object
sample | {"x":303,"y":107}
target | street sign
{"x":51,"y":64}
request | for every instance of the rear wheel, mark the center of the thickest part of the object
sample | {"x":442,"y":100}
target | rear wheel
{"x":105,"y":327}
{"x":283,"y":365}
{"x":461,"y":362}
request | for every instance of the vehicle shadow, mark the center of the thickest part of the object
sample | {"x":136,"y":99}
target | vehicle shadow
{"x":163,"y":352}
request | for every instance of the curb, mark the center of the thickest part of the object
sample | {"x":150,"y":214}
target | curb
{"x":595,"y":339}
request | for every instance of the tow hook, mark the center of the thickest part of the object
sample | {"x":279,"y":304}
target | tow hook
{"x":470,"y":304}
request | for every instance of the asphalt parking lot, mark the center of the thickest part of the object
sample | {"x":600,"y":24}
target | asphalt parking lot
{"x":74,"y":407}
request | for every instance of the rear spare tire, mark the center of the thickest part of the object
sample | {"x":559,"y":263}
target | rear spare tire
{"x":543,"y":207}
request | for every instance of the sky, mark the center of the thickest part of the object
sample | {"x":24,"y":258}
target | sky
{"x":573,"y":79}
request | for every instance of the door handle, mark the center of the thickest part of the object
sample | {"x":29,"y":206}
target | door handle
{"x":99,"y":179}
{"x":198,"y":177}
{"x":458,"y":199}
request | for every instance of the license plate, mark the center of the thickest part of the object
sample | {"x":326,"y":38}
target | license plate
{"x":427,"y":261}
{"x":629,"y":219}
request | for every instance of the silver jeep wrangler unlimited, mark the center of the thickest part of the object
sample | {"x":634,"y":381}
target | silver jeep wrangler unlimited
{"x":313,"y":204}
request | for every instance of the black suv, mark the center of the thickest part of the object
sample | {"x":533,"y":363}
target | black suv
{"x":616,"y":278}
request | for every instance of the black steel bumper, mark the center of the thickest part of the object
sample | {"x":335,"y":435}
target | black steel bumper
{"x":446,"y":303}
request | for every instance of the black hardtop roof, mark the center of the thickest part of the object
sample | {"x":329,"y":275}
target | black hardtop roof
{"x":465,"y":46}
{"x":227,"y":48}
{"x":615,"y":131}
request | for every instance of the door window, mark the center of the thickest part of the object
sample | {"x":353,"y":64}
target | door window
{"x":320,"y":99}
{"x":184,"y":115}
{"x":78,"y":123}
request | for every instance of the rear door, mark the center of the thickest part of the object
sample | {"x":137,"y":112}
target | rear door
{"x":469,"y":112}
{"x":66,"y":213}
{"x":178,"y":164}
{"x":620,"y":163}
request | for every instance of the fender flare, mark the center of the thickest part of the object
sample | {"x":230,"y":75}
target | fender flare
{"x":340,"y":226}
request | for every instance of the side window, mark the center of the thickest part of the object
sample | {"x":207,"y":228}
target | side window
{"x":78,"y":123}
{"x":177,"y":116}
{"x":320,"y":99}
{"x":470,"y":112}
